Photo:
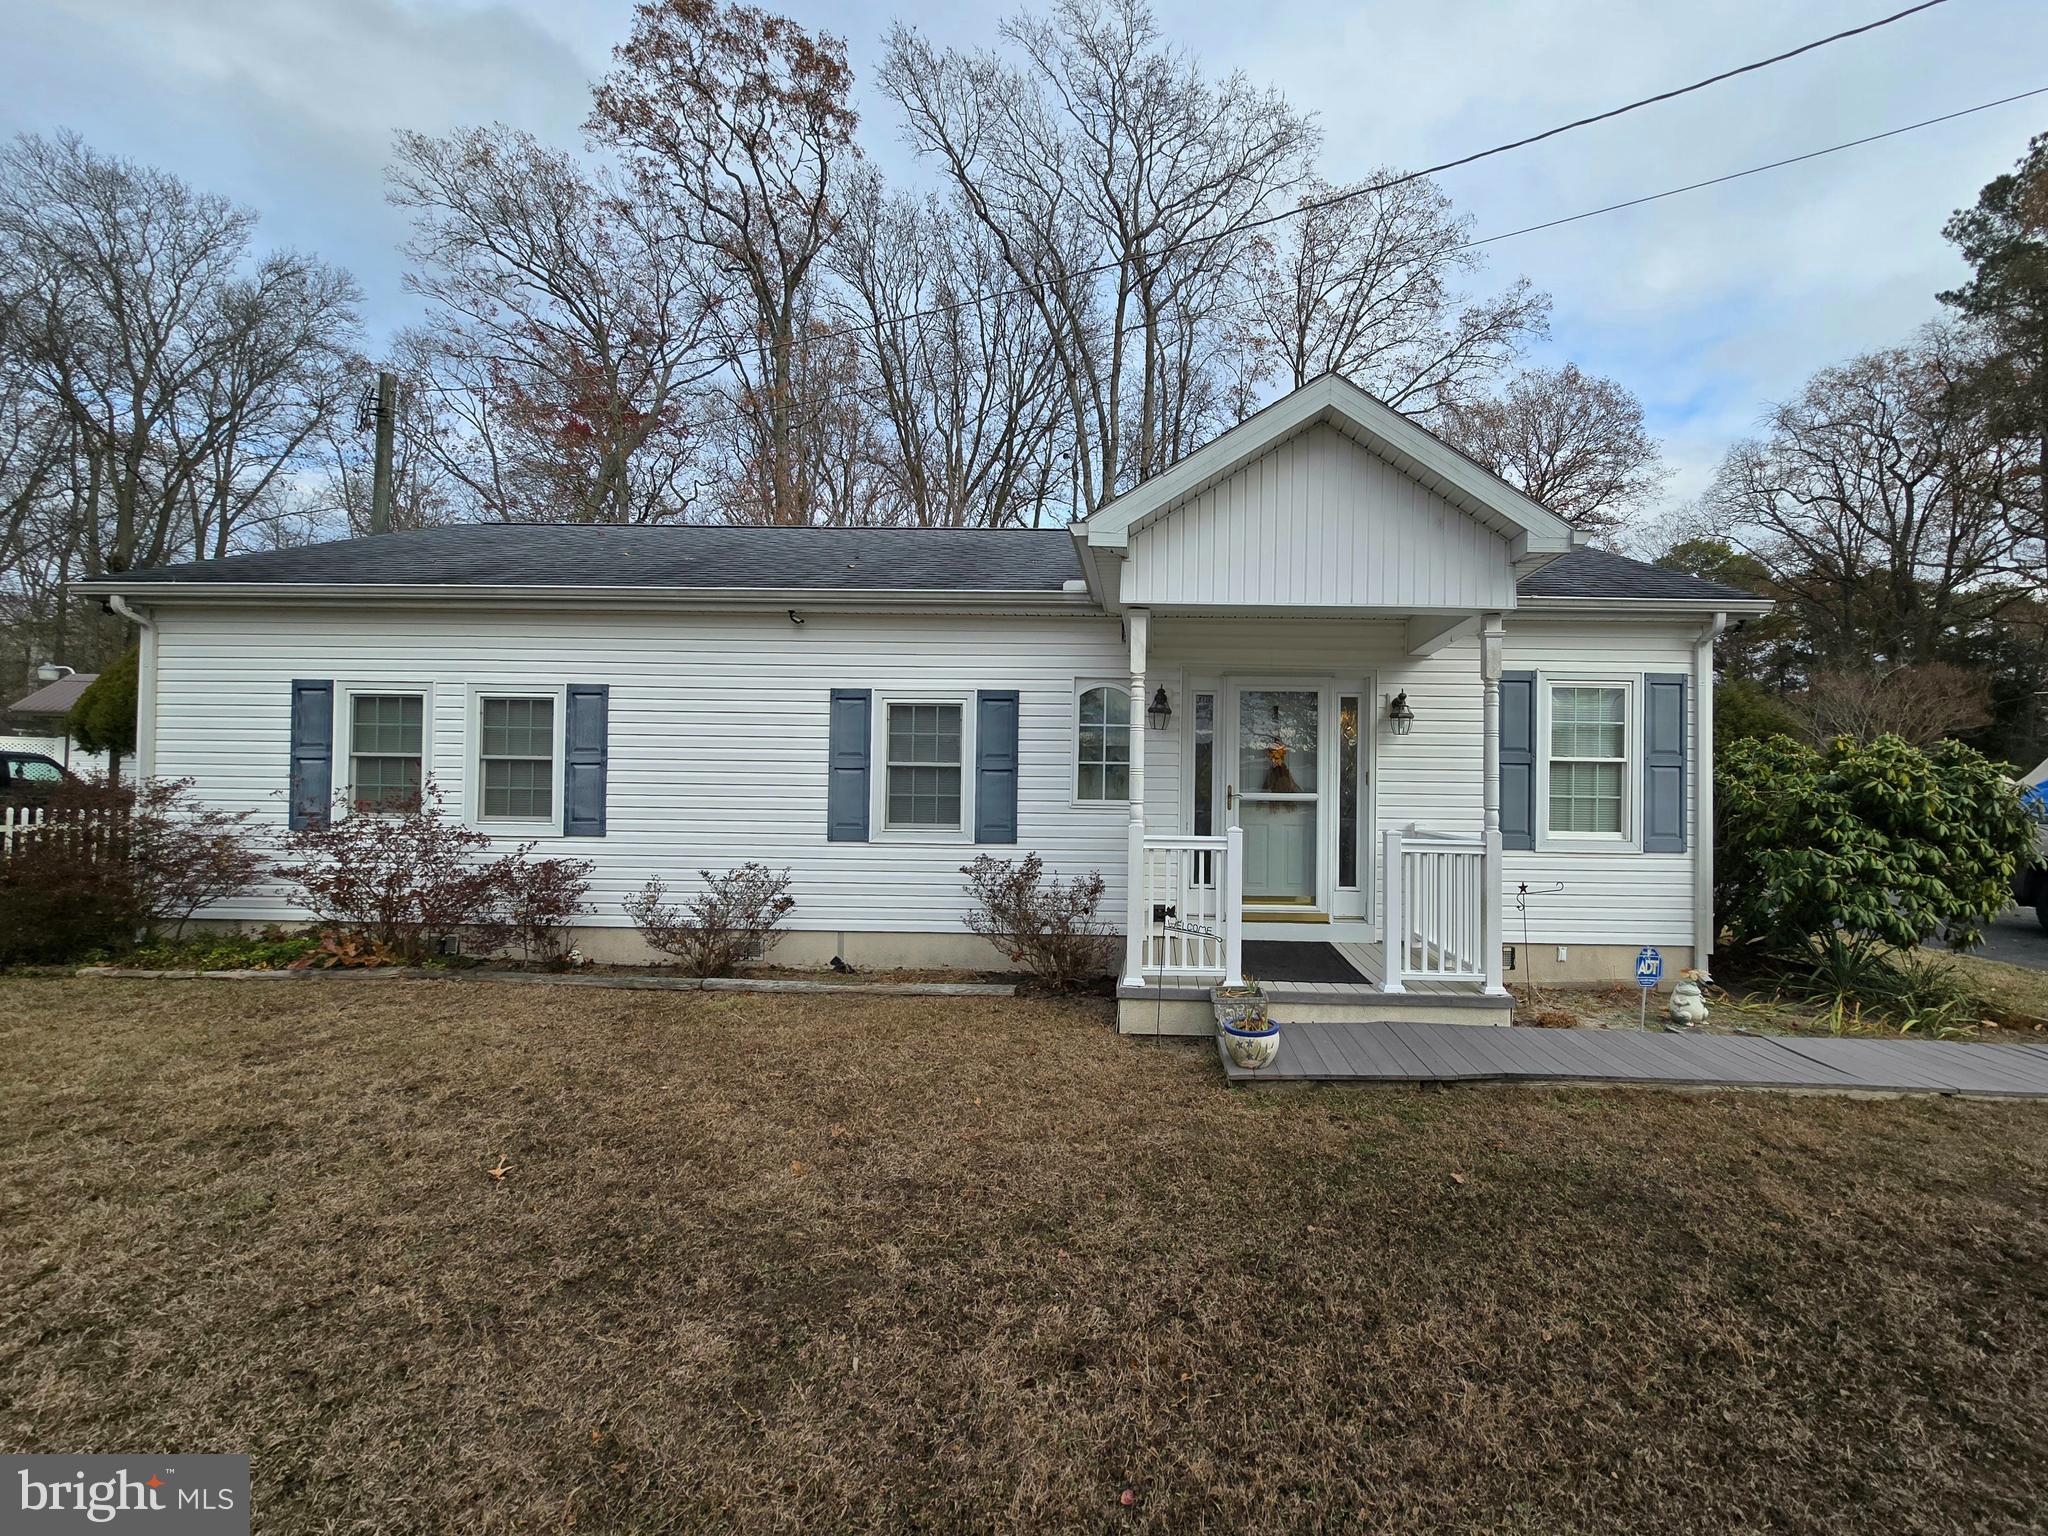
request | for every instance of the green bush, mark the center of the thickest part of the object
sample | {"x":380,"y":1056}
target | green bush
{"x":103,"y":719}
{"x":1882,"y":844}
{"x":273,"y":949}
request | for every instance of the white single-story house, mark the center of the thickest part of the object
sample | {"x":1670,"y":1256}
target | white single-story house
{"x":1324,"y":684}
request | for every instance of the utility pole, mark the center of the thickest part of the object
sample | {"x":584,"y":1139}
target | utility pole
{"x":380,"y":487}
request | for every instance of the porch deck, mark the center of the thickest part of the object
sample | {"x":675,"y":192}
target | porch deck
{"x":1301,"y":971}
{"x":1403,"y":1052}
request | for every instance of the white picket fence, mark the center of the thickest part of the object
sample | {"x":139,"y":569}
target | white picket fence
{"x":85,"y":831}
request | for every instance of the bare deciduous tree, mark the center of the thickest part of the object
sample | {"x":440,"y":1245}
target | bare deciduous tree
{"x":1117,"y":183}
{"x":737,"y":122}
{"x":1365,"y":285}
{"x":564,"y":300}
{"x":1870,"y":500}
{"x":1923,"y":704}
{"x":966,"y":389}
{"x":1574,"y":443}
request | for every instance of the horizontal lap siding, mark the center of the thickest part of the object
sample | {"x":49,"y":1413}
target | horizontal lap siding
{"x":1318,"y":522}
{"x":718,"y":733}
{"x":1608,"y":898}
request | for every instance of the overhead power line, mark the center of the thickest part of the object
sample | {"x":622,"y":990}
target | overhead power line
{"x":1336,"y":199}
{"x":1570,"y":218}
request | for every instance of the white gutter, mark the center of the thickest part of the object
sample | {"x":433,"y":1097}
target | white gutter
{"x":1704,"y":929}
{"x":145,"y":687}
{"x":717,"y":598}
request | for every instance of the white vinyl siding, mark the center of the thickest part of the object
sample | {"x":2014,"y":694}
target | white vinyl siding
{"x":720,"y":723}
{"x":1318,"y":522}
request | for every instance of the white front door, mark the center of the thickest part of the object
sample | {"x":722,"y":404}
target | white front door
{"x":1280,"y":769}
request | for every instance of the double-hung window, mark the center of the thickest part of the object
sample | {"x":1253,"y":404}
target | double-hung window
{"x":1588,"y":760}
{"x":1102,"y":741}
{"x":924,"y":770}
{"x":386,"y":740}
{"x":517,"y":761}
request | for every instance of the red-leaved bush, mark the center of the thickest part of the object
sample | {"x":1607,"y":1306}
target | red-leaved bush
{"x":408,"y":879}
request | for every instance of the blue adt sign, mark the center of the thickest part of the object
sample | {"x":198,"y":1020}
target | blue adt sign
{"x":1649,"y":967}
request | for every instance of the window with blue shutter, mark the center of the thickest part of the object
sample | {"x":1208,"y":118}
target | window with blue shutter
{"x":995,"y":767}
{"x":586,"y":759}
{"x":846,"y":794}
{"x":1518,"y":759}
{"x":311,"y":793}
{"x":1664,"y":761}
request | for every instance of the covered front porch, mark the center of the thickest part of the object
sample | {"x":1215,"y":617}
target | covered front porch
{"x":1317,"y":806}
{"x":1315,"y":606}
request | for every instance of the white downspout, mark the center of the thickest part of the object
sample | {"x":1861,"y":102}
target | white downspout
{"x":1704,"y":928}
{"x":145,"y":688}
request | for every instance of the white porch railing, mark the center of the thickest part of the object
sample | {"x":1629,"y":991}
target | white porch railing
{"x":1186,"y":923}
{"x":1442,"y":908}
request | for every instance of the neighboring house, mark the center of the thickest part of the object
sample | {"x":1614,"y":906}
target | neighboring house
{"x":46,"y":709}
{"x":1323,"y":680}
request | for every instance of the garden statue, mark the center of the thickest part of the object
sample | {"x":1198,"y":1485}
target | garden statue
{"x":1688,"y":1003}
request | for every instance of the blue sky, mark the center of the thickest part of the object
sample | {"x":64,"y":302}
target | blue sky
{"x":1708,"y":306}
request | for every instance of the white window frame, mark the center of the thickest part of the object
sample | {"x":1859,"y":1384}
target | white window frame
{"x":878,"y":770}
{"x":473,"y":767}
{"x":1082,"y":685}
{"x":1630,"y":835}
{"x":342,"y":769}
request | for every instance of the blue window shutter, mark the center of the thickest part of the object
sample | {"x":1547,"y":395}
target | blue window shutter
{"x":846,"y":796}
{"x":585,"y":766}
{"x":995,"y":767}
{"x":1664,"y":766}
{"x":312,"y":754}
{"x":1518,"y":759}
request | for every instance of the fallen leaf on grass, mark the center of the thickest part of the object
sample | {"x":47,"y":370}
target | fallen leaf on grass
{"x":501,"y":1170}
{"x":1457,"y":1178}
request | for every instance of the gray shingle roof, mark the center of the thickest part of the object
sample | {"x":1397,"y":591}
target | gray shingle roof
{"x":55,"y":698}
{"x":680,"y":555}
{"x":1599,"y":573}
{"x":684,"y":556}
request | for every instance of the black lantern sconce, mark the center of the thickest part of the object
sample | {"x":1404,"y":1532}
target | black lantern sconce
{"x":1159,"y":713}
{"x":1399,"y":715}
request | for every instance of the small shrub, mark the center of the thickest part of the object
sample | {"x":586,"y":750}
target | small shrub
{"x":403,"y":882}
{"x":537,"y":900}
{"x":1047,"y":925}
{"x":186,"y":855}
{"x":734,"y":920}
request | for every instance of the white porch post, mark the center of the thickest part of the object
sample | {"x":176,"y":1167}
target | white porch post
{"x":1137,"y":921}
{"x":1233,"y":903}
{"x":1489,"y":909}
{"x":1393,"y":917}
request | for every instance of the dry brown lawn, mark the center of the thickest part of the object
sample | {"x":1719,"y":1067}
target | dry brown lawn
{"x":917,"y":1264}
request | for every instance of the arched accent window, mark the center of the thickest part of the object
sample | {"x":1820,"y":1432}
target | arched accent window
{"x":1103,"y":744}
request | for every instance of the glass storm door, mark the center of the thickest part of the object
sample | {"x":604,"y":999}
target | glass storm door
{"x":1279,"y":776}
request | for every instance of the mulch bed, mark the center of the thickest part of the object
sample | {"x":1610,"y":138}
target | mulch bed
{"x":777,"y":1263}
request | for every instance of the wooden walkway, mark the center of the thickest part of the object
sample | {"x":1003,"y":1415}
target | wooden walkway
{"x":1462,"y":1053}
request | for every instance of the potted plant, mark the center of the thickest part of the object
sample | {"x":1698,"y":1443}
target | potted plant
{"x":1249,"y":1033}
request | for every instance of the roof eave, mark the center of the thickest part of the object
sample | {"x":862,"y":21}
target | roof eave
{"x":1745,"y":607}
{"x":951,"y":599}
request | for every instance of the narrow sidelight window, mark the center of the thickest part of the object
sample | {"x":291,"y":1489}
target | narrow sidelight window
{"x":1347,"y":792}
{"x":516,"y":758}
{"x":924,"y":766}
{"x":385,"y":736}
{"x":1205,"y":765}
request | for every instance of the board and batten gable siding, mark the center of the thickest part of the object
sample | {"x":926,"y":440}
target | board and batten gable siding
{"x":718,"y":726}
{"x":1318,"y":522}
